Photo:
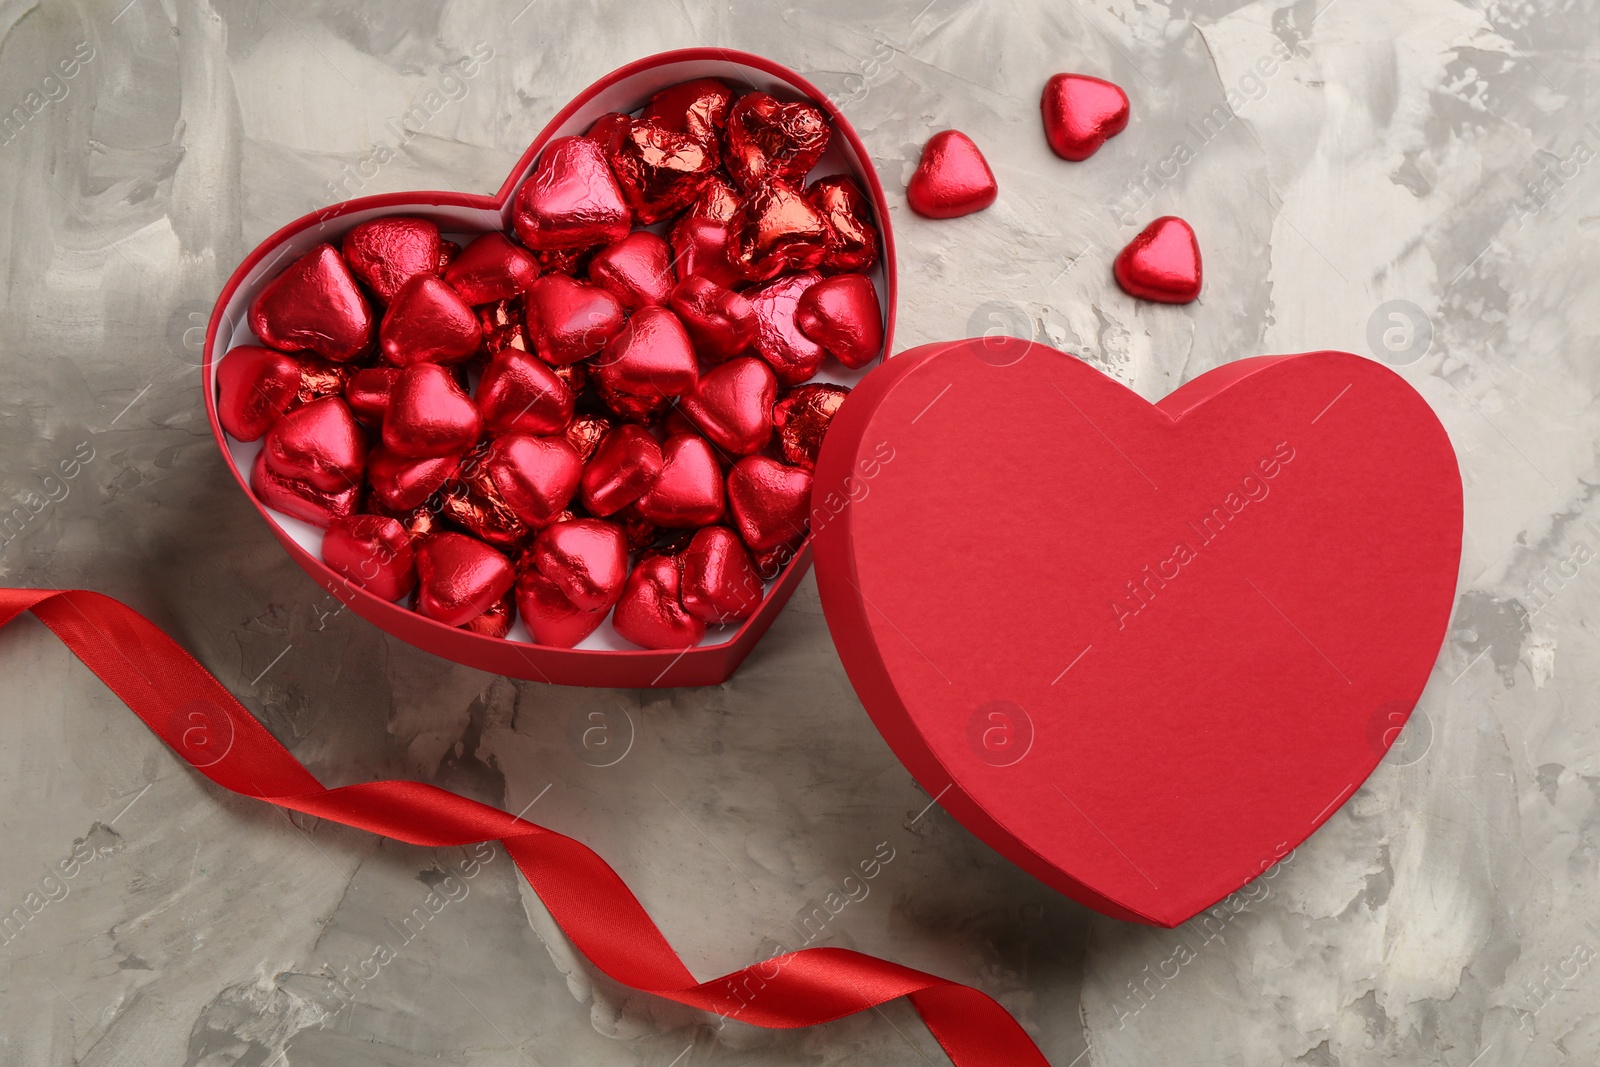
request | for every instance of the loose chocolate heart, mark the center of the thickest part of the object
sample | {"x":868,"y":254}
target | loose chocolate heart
{"x":386,"y":253}
{"x":842,"y":314}
{"x":732,"y":405}
{"x":569,"y":320}
{"x":659,"y":170}
{"x":801,"y":419}
{"x":769,"y":501}
{"x":460,"y":578}
{"x":624,"y":466}
{"x":429,"y":415}
{"x":401,"y":483}
{"x":255,"y":386}
{"x":520,"y":394}
{"x":572,"y":200}
{"x":651,"y":613}
{"x":428,"y":323}
{"x":720,"y":583}
{"x":649,"y":362}
{"x":854,"y":241}
{"x":535,"y":476}
{"x":777,"y":229}
{"x":688,"y":492}
{"x":1162,"y":263}
{"x":319,"y":444}
{"x":794,"y":357}
{"x":314,"y":304}
{"x":374,"y":552}
{"x":491,"y":268}
{"x":721,"y":322}
{"x":1081,"y":113}
{"x":637,"y":270}
{"x":768,"y":141}
{"x":952,"y":179}
{"x":300,"y":500}
{"x":587,"y":559}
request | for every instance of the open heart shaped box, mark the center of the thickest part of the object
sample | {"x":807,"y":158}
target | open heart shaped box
{"x":603,"y":659}
{"x":1142,"y":728}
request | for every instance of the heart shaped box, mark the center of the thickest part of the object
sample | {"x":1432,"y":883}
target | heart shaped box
{"x":603,"y":659}
{"x":1141,"y":650}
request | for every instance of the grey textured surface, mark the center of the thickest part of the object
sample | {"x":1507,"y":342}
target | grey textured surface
{"x":1427,"y":152}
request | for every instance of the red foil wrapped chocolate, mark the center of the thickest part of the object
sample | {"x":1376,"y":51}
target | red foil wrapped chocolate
{"x":388,"y":252}
{"x":572,"y":201}
{"x":660,"y":171}
{"x":801,"y":419}
{"x":777,"y":229}
{"x":698,"y":108}
{"x":855,"y":236}
{"x":374,"y":552}
{"x":315,"y":304}
{"x":772,"y":141}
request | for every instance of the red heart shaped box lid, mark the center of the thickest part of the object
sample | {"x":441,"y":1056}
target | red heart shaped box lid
{"x":626,"y":89}
{"x":1141,"y":650}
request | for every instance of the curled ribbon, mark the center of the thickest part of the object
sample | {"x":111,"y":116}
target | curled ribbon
{"x":172,"y":693}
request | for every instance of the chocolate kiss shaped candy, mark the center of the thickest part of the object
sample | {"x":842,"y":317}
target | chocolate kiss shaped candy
{"x":315,"y":304}
{"x":300,"y":500}
{"x":1162,"y":263}
{"x":319,"y":444}
{"x":569,"y":320}
{"x":801,"y":419}
{"x":1081,"y":113}
{"x":491,"y":268}
{"x":572,"y":200}
{"x":520,"y":394}
{"x":637,"y":270}
{"x":720,"y":584}
{"x":855,"y":238}
{"x":626,"y":464}
{"x":769,"y":141}
{"x":587,"y":559}
{"x":794,"y":357}
{"x":429,"y":415}
{"x":460,"y":578}
{"x":732,"y":405}
{"x":367,"y":393}
{"x":428,"y":323}
{"x":842,"y":314}
{"x":953,"y":178}
{"x":769,"y":501}
{"x":386,"y":253}
{"x":688,"y":492}
{"x":374,"y":552}
{"x":652,"y":358}
{"x":650,"y":612}
{"x":721,"y":322}
{"x":535,"y":476}
{"x":400,"y":483}
{"x":777,"y":229}
{"x":255,"y":386}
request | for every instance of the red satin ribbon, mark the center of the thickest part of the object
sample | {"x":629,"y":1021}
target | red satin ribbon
{"x":201,"y":721}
